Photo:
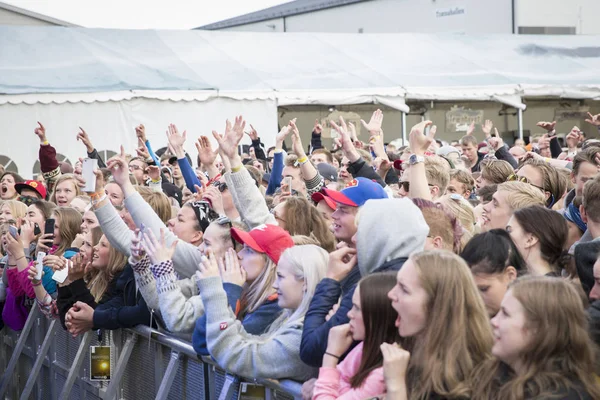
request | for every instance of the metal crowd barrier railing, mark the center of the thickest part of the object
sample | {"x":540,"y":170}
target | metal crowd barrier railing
{"x":45,"y":362}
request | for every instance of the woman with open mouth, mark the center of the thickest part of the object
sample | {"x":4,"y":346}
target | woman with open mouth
{"x":7,"y":185}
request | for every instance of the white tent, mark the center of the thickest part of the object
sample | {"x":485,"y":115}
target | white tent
{"x":107,"y":81}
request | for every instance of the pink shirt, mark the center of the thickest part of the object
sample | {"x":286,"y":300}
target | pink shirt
{"x":334,"y":383}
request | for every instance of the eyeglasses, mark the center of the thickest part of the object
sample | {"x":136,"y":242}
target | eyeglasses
{"x":133,"y":167}
{"x":222,"y":186}
{"x":516,"y":178}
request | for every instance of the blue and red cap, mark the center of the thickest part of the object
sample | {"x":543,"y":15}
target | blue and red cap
{"x":357,"y":192}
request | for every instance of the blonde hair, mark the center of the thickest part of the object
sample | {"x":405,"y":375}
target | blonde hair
{"x":462,"y":210}
{"x":463,"y":177}
{"x":158,"y":201}
{"x":521,"y":195}
{"x":560,"y":354}
{"x":17,"y":209}
{"x":457,"y":336}
{"x":61,"y":179}
{"x":257,"y":292}
{"x":436,"y":171}
{"x":309,"y":264}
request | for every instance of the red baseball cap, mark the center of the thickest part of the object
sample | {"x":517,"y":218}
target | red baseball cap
{"x":268,"y":239}
{"x":317,"y":197}
{"x":32,"y":185}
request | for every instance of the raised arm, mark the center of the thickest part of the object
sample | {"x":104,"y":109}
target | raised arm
{"x":91,"y":150}
{"x":419,"y":143}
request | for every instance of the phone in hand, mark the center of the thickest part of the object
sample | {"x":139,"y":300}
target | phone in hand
{"x":286,"y":185}
{"x":13,"y":231}
{"x":36,"y":230}
{"x":87,"y":171}
{"x":39,"y":265}
{"x":61,"y":275}
{"x":49,"y":229}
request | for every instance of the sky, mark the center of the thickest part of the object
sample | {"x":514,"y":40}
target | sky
{"x":143,"y":14}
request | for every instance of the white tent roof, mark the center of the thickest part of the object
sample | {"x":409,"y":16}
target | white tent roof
{"x":56,"y":64}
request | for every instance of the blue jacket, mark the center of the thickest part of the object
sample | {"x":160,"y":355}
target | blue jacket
{"x":254,"y":323}
{"x":327,"y":293}
{"x":123,"y":307}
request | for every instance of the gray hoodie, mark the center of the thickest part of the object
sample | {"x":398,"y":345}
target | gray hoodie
{"x":388,"y":229}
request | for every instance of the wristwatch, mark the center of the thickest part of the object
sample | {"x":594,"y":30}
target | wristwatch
{"x":415,"y":159}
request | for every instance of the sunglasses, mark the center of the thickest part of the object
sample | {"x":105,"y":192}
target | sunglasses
{"x":222,"y":186}
{"x":516,"y":178}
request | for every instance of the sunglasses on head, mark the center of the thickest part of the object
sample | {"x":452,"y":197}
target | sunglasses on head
{"x":222,"y":186}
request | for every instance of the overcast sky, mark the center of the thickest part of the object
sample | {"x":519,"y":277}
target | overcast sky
{"x":144,"y":14}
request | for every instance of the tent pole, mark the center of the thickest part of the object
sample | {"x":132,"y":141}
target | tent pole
{"x":403,"y":129}
{"x":520,"y":124}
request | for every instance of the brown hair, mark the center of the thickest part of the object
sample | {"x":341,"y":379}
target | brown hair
{"x":551,"y":230}
{"x":552,"y":181}
{"x":441,"y":223}
{"x":327,"y":153}
{"x":69,"y":226}
{"x":379,"y":318}
{"x":591,"y":199}
{"x":61,"y":179}
{"x":496,"y":171}
{"x":561,"y":354}
{"x":487,"y":192}
{"x":468,"y":140}
{"x":95,"y":290}
{"x":587,"y":155}
{"x":45,"y":207}
{"x":302,"y":218}
{"x":457,"y":336}
{"x":116,"y":263}
{"x":291,"y":160}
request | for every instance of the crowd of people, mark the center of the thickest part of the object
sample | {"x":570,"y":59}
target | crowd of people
{"x":435,"y":270}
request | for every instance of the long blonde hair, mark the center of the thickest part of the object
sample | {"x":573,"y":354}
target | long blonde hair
{"x":257,"y":292}
{"x":116,"y":263}
{"x":457,"y":336}
{"x":90,"y":275}
{"x":17,"y":209}
{"x":61,"y":179}
{"x":561,"y":351}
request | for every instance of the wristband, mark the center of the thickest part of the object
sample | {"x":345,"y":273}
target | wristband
{"x":97,"y":195}
{"x":303,"y":160}
{"x":237,"y":169}
{"x":45,"y":143}
{"x":36,"y":284}
{"x":332,"y":355}
{"x":547,"y":159}
{"x":23,"y":256}
{"x":96,"y":201}
{"x":159,"y":180}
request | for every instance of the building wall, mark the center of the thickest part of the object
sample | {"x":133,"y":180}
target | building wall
{"x":377,"y":16}
{"x":580,"y":14}
{"x":12,"y":18}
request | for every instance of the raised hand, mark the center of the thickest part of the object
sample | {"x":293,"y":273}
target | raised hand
{"x":78,"y":267}
{"x":283,"y":133}
{"x":374,"y":125}
{"x":353,"y":134}
{"x":318,"y":128}
{"x":341,"y":263}
{"x":137,"y":249}
{"x":32,"y":273}
{"x":252,"y":134}
{"x":215,"y":198}
{"x":205,"y":151}
{"x":339,"y":340}
{"x":40,"y":131}
{"x":471,"y":129}
{"x":176,"y":139}
{"x":157,"y":250}
{"x":85,"y":139}
{"x":549,"y":126}
{"x":487,"y":128}
{"x":573,"y":138}
{"x":228,"y":143}
{"x":296,"y":141}
{"x":119,"y":168}
{"x":231,"y":271}
{"x":419,"y":142}
{"x":142,"y":150}
{"x":55,"y":262}
{"x":347,"y":147}
{"x":208,"y":266}
{"x":395,"y":365}
{"x":153,"y":172}
{"x":593,"y":119}
{"x":140,"y":132}
{"x":99,"y":181}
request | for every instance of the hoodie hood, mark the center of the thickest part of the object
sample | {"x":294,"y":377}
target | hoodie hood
{"x":388,"y":229}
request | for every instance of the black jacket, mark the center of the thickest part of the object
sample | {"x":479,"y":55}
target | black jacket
{"x":586,"y":255}
{"x":327,"y":293}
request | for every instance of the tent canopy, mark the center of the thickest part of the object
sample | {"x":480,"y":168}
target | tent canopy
{"x":78,"y":64}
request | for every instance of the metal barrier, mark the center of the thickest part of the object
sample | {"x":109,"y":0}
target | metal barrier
{"x":44,"y":362}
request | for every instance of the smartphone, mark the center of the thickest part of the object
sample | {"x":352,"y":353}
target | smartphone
{"x":39,"y":264}
{"x":87,"y":171}
{"x":49,"y":228}
{"x":286,"y":185}
{"x":13,"y":231}
{"x":61,"y":275}
{"x":37,"y":230}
